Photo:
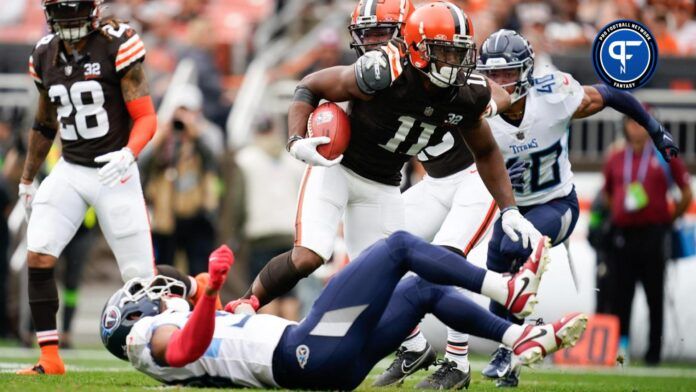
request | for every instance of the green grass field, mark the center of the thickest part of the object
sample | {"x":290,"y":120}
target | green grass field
{"x":95,"y":370}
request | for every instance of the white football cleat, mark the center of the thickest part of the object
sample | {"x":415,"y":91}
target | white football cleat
{"x":523,"y":286}
{"x":537,"y":342}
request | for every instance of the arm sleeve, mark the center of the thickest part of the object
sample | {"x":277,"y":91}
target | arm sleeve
{"x":144,"y":118}
{"x":188,"y":344}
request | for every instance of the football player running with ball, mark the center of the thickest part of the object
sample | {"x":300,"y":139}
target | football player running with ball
{"x":400,"y":104}
{"x":362,"y":315}
{"x":533,"y":136}
{"x":92,"y":88}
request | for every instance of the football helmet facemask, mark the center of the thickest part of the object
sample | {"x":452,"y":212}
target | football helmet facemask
{"x":374,"y":23}
{"x":440,"y":40}
{"x":505,"y":51}
{"x":137,"y":298}
{"x":72,"y":20}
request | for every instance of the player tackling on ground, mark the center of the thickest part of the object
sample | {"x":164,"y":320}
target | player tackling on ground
{"x":534,"y":131}
{"x":363,"y":314}
{"x":92,"y":88}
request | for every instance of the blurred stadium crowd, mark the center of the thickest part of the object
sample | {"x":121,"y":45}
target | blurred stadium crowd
{"x":205,"y":188}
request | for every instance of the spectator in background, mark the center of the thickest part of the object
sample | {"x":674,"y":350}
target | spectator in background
{"x":684,"y":27}
{"x":200,"y":48}
{"x":636,"y":184}
{"x":181,"y":183}
{"x":656,"y":21}
{"x":565,"y":30}
{"x":271,"y":183}
{"x":328,"y":53}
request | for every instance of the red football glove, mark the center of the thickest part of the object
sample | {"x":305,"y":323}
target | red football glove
{"x":253,"y":302}
{"x":219,"y":264}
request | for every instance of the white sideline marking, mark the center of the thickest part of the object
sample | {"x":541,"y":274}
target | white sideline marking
{"x":21,"y":352}
{"x":11,"y":367}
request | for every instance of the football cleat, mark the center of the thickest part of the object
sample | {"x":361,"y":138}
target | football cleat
{"x":405,"y":364}
{"x":448,"y":376}
{"x":500,"y":363}
{"x":523,"y":286}
{"x":51,"y":364}
{"x":537,"y":342}
{"x":510,"y":380}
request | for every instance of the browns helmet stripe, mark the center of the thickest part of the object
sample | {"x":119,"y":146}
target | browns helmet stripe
{"x":369,"y":8}
{"x":460,"y":20}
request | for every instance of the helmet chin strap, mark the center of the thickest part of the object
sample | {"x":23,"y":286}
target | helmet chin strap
{"x":445,"y":77}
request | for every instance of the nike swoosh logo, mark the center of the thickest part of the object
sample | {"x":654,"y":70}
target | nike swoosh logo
{"x":124,"y":180}
{"x":525,"y":283}
{"x":505,"y":370}
{"x":407,"y":368}
{"x":541,"y":333}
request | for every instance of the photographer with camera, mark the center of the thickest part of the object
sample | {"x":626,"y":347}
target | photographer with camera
{"x":180,"y":183}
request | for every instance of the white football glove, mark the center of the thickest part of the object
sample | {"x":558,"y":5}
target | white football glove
{"x":26,"y":197}
{"x":513,"y":222}
{"x":117,"y":164}
{"x":305,"y":150}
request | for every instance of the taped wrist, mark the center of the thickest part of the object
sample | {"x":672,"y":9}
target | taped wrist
{"x":627,"y":104}
{"x":303,"y":94}
{"x":279,"y":276}
{"x":45,"y":130}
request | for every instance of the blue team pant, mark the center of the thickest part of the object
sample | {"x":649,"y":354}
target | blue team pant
{"x":367,"y":310}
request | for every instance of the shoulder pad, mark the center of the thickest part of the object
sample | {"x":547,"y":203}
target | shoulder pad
{"x":44,"y":41}
{"x":557,"y":86}
{"x":372,"y":72}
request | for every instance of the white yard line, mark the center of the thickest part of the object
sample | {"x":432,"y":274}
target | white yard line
{"x":21,"y":352}
{"x":10,"y":367}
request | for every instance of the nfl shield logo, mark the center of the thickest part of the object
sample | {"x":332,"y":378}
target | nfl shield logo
{"x":520,"y":135}
{"x":68,"y":70}
{"x":428,"y":111}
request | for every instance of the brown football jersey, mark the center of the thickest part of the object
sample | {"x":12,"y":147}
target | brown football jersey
{"x":403,"y":119}
{"x":91,"y":110}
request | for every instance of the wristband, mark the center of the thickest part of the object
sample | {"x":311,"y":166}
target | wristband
{"x":291,"y":140}
{"x":508,"y":208}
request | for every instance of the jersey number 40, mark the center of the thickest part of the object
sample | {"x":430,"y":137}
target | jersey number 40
{"x":80,"y":110}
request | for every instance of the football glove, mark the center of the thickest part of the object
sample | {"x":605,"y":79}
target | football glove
{"x":26,"y":196}
{"x":116,"y":167}
{"x":305,"y":150}
{"x":516,"y":173}
{"x":219,"y":264}
{"x":664,"y":143}
{"x":513,"y":222}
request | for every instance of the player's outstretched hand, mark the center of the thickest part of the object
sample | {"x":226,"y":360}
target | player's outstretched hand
{"x":26,"y":197}
{"x":219,"y":264}
{"x":513,"y":222}
{"x":305,"y":150}
{"x":665,"y":144}
{"x":116,"y":167}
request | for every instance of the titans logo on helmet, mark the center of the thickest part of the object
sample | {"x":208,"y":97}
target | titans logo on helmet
{"x":624,"y":54}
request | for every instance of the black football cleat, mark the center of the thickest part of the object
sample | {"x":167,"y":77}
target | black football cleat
{"x":510,"y":380}
{"x":448,"y":376}
{"x":405,"y":364}
{"x":500,"y":364}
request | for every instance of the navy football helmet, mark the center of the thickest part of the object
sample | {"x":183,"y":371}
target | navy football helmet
{"x":137,"y":298}
{"x":508,"y":50}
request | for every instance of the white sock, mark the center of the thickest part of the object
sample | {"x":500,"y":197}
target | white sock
{"x":194,"y":287}
{"x":495,"y":287}
{"x":415,"y":341}
{"x":512,"y":334}
{"x":457,"y":349}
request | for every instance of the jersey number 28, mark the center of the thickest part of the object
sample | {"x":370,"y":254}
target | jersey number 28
{"x":85,"y":104}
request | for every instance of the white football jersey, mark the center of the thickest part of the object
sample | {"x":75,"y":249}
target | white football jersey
{"x":240,"y":353}
{"x":542,"y":138}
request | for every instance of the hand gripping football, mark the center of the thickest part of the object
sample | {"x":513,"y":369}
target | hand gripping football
{"x":329,"y":120}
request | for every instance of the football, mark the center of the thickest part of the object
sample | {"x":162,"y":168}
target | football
{"x":328,"y":119}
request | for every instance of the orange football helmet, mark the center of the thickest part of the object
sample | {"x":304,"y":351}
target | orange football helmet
{"x":375,"y":22}
{"x":440,"y":41}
